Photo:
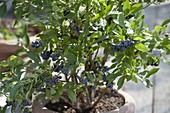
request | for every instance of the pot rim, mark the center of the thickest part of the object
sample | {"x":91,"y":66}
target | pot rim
{"x":128,"y":107}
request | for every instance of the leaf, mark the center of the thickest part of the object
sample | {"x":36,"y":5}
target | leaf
{"x":126,"y":7}
{"x":26,"y":37}
{"x":53,"y":91}
{"x":48,"y":93}
{"x":71,"y":95}
{"x":151,"y":72}
{"x":13,"y":91}
{"x":90,"y":76}
{"x":157,"y":29}
{"x":108,"y":8}
{"x":147,"y":83}
{"x":121,"y":20}
{"x":135,"y":8}
{"x":3,"y":10}
{"x":165,"y":22}
{"x":141,"y":47}
{"x":121,"y":82}
{"x":33,"y":56}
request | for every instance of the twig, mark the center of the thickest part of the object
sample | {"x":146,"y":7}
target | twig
{"x":100,"y":97}
{"x":88,"y":99}
{"x":105,"y":58}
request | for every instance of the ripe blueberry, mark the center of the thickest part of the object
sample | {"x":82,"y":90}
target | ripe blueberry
{"x":66,"y":12}
{"x":37,"y":44}
{"x":55,"y":57}
{"x":46,"y":55}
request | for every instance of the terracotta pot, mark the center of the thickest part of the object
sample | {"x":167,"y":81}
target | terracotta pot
{"x":128,"y":107}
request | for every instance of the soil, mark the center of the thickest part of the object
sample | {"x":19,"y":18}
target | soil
{"x":108,"y":102}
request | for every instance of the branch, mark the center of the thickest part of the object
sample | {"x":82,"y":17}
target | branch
{"x":105,"y":58}
{"x":100,"y":97}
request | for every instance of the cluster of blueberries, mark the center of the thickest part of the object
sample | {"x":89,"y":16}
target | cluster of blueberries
{"x":85,"y":80}
{"x":130,"y":16}
{"x":47,"y":54}
{"x":153,"y":63}
{"x":37,"y":44}
{"x":61,"y":68}
{"x":104,"y":70}
{"x":40,"y":90}
{"x":52,"y":81}
{"x":123,"y":45}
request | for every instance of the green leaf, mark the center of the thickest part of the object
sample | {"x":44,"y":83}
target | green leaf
{"x":90,"y":76}
{"x":108,"y":8}
{"x":53,"y":91}
{"x":3,"y":10}
{"x":48,"y":93}
{"x":14,"y":90}
{"x":126,"y":7}
{"x":147,"y":83}
{"x":71,"y":95}
{"x":121,"y":20}
{"x":59,"y":91}
{"x":135,"y":8}
{"x":151,"y":72}
{"x":121,"y":82}
{"x":141,"y":47}
{"x":165,"y":22}
{"x":26,"y":37}
{"x":157,"y":29}
{"x":33,"y":56}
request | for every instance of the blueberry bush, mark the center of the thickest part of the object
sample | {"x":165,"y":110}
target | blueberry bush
{"x":69,"y":59}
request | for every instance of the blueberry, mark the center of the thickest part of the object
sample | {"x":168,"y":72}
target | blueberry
{"x":49,"y":82}
{"x":105,"y":69}
{"x":115,"y":48}
{"x":55,"y":57}
{"x":66,"y":12}
{"x":131,"y":43}
{"x":37,"y":44}
{"x":96,"y":62}
{"x":9,"y":103}
{"x":123,"y":45}
{"x":166,"y":34}
{"x":55,"y":80}
{"x":130,"y":16}
{"x":156,"y":64}
{"x":105,"y":78}
{"x":40,"y":90}
{"x":46,"y":55}
{"x":85,"y":82}
{"x":65,"y":71}
{"x":59,"y":77}
{"x":95,"y":25}
{"x":26,"y":110}
{"x":25,"y":103}
{"x":79,"y":78}
{"x":57,"y":69}
{"x":110,"y":86}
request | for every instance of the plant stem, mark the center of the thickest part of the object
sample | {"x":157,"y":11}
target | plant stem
{"x":88,"y":96}
{"x":105,"y":58}
{"x":100,"y":97}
